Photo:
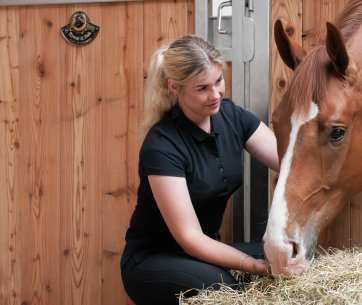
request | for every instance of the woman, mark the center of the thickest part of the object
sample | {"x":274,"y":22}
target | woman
{"x":190,"y":163}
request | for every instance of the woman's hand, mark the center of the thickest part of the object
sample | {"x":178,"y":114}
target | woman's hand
{"x":258,"y":266}
{"x":263,"y":267}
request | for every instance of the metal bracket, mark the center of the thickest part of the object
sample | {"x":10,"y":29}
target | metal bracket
{"x":248,"y":43}
{"x":219,"y":16}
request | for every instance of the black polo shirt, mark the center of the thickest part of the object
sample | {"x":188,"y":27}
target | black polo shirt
{"x":210,"y":163}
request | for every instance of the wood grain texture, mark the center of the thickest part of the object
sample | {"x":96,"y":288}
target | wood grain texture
{"x":290,"y":13}
{"x":42,"y":2}
{"x":40,"y":159}
{"x":69,"y":119}
{"x":226,"y":230}
{"x":121,"y":105}
{"x":10,"y":210}
{"x":356,"y":220}
{"x":315,"y":16}
{"x":80,"y":171}
{"x":169,"y":21}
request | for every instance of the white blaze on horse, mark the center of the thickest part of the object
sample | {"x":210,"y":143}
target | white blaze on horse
{"x":318,"y":125}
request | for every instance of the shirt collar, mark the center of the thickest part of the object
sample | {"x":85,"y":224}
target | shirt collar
{"x":196,"y":131}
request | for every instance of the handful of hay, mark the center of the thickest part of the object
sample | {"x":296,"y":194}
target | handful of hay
{"x":334,"y":278}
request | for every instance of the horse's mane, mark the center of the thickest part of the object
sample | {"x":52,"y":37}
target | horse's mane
{"x":311,"y":76}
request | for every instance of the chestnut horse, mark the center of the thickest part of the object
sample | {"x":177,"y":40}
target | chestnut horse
{"x":318,"y":126}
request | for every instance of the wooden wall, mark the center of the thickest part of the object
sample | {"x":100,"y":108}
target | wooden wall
{"x":69,"y":120}
{"x":299,"y":17}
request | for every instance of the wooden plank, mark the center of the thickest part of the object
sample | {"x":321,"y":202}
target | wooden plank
{"x":339,"y":6}
{"x":226,"y":230}
{"x":47,"y":2}
{"x":338,"y":233}
{"x":48,"y":69}
{"x":169,"y":21}
{"x":356,"y":220}
{"x":315,"y":15}
{"x":290,"y":13}
{"x":191,"y":16}
{"x":26,"y":100}
{"x":40,"y":157}
{"x":121,"y":110}
{"x":80,"y":166}
{"x":10,"y":243}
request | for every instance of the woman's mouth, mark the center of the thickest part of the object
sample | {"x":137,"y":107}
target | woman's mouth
{"x":214,"y":105}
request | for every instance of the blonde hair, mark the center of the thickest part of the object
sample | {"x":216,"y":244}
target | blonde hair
{"x":185,"y":61}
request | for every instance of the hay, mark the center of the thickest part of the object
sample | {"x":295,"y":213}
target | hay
{"x":334,"y":278}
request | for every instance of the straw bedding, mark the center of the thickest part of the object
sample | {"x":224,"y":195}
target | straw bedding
{"x":334,"y":278}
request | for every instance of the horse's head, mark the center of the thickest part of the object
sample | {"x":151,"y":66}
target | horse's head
{"x":318,"y":126}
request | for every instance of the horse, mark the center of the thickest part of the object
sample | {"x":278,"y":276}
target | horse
{"x":318,"y":126}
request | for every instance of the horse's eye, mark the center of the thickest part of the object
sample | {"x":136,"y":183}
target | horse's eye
{"x":336,"y":135}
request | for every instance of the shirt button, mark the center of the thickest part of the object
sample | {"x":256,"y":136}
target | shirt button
{"x":217,"y":159}
{"x":221,"y":169}
{"x":225,"y":180}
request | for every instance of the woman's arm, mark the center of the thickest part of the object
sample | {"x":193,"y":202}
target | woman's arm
{"x":173,"y":200}
{"x":262,"y":145}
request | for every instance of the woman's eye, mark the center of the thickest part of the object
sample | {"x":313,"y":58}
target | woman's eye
{"x":336,"y":135}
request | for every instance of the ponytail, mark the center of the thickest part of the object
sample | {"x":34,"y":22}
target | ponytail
{"x":158,"y":99}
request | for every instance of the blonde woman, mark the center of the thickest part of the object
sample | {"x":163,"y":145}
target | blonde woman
{"x":190,"y":163}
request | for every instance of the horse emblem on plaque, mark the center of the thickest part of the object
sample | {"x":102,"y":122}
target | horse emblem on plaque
{"x":79,"y":31}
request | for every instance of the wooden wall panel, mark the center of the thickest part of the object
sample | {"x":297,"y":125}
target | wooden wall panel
{"x":315,"y":15}
{"x":10,"y":211}
{"x":290,"y":13}
{"x":226,"y":230}
{"x":356,"y":220}
{"x":302,"y":17}
{"x":39,"y":163}
{"x":69,"y":145}
{"x":169,"y":21}
{"x":121,"y":111}
{"x":80,"y":170}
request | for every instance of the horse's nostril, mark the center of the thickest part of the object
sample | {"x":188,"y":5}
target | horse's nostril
{"x":295,"y":250}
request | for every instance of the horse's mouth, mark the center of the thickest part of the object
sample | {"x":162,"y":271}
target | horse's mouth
{"x":297,"y":263}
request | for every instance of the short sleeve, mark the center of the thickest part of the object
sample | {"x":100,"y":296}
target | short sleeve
{"x":249,"y":121}
{"x":160,"y":155}
{"x":243,"y":122}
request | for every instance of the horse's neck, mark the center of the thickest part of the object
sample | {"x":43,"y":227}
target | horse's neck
{"x":354,"y":47}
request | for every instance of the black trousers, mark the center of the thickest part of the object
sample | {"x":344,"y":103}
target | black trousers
{"x":160,"y":278}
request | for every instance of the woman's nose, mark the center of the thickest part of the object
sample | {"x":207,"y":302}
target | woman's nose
{"x":214,"y":94}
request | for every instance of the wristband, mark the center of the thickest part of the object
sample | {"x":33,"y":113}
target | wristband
{"x":242,"y":260}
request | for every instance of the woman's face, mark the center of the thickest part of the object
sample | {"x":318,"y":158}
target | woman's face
{"x":202,"y":99}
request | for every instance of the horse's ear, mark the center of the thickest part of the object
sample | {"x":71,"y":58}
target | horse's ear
{"x":290,"y":52}
{"x":336,"y":49}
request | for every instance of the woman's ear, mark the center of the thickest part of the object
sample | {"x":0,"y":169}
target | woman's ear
{"x":173,"y":87}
